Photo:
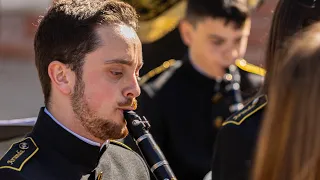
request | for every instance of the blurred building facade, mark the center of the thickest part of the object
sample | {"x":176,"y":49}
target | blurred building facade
{"x":20,"y":92}
{"x":18,"y":21}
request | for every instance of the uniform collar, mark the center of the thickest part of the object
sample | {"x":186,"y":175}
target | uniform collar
{"x":50,"y":135}
{"x":198,"y":69}
{"x":71,"y":132}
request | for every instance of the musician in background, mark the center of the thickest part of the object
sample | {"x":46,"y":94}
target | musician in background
{"x":289,"y":141}
{"x":158,"y":30}
{"x":187,"y":100}
{"x":236,"y":141}
{"x":88,"y":56}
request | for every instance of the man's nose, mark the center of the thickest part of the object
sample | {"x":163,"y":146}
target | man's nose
{"x":232,"y":53}
{"x":133,"y":89}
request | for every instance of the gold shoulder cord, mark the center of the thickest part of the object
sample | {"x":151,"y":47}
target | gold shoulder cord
{"x":120,"y":144}
{"x":244,"y":65}
{"x":157,"y":71}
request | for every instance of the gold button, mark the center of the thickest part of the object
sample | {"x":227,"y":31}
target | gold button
{"x":218,"y":122}
{"x":216,"y":97}
{"x":228,"y":77}
{"x":99,"y":176}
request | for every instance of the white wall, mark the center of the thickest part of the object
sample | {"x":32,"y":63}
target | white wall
{"x":20,"y":90}
{"x":24,"y":5}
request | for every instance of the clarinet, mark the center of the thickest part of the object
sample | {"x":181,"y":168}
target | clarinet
{"x":139,"y":130}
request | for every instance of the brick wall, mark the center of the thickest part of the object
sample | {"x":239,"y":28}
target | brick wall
{"x":16,"y":36}
{"x":259,"y":33}
{"x":17,"y":30}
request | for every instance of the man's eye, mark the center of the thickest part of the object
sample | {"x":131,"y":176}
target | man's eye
{"x":217,"y":43}
{"x":116,"y":73}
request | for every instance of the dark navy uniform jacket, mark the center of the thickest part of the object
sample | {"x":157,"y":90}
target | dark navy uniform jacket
{"x":50,"y":152}
{"x":236,"y":142}
{"x":185,"y":110}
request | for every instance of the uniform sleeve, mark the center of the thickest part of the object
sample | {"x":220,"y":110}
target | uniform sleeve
{"x":8,"y":174}
{"x":229,"y":160}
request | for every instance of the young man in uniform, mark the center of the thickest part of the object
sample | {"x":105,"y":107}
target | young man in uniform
{"x":88,"y":57}
{"x":187,"y":100}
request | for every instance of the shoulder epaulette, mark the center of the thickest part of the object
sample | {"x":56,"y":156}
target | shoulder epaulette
{"x":152,"y":86}
{"x":156,"y":71}
{"x":252,"y":107}
{"x":117,"y":143}
{"x":18,"y":154}
{"x":244,"y":65}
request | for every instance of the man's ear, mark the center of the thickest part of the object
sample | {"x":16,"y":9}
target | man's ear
{"x":61,"y":77}
{"x":186,"y":29}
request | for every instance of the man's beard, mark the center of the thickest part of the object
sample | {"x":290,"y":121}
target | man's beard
{"x":99,"y":127}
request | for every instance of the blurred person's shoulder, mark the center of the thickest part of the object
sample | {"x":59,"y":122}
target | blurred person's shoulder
{"x":249,"y":116}
{"x":236,"y":140}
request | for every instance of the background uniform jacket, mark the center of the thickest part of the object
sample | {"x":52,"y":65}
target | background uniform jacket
{"x":185,"y":110}
{"x":236,"y":142}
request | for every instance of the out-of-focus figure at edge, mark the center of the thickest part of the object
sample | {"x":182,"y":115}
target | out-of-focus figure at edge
{"x":288,"y":146}
{"x":236,"y":141}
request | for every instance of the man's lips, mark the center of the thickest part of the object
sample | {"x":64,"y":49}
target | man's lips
{"x":133,"y":106}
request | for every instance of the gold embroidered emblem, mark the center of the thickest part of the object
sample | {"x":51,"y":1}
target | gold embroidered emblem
{"x":251,"y":108}
{"x":15,"y":157}
{"x":24,"y":146}
{"x":18,"y":154}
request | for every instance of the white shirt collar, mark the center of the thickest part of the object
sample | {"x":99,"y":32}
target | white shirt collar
{"x":88,"y":141}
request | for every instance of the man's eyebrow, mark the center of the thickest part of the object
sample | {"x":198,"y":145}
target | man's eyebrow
{"x":118,"y":61}
{"x":123,"y":61}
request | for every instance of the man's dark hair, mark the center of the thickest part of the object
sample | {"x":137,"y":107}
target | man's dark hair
{"x":67,"y":33}
{"x":230,"y":10}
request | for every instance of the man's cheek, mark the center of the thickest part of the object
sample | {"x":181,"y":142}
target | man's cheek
{"x":97,"y":99}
